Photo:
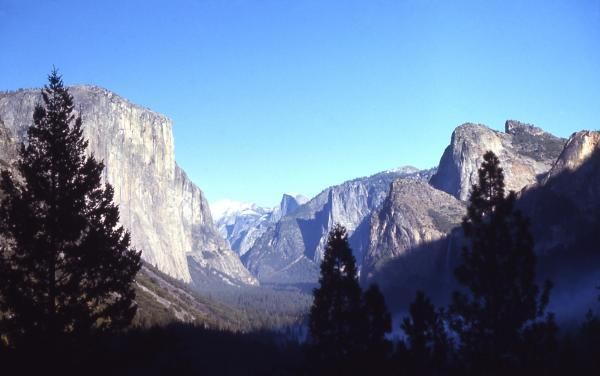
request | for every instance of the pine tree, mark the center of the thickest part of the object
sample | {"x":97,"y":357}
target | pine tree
{"x":336,"y":322}
{"x":428,"y":343}
{"x":378,"y":319}
{"x":66,"y":265}
{"x":502,"y":300}
{"x":378,"y":322}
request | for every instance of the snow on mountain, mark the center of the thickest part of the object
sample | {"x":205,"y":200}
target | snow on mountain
{"x":242,"y":223}
{"x":230,"y":208}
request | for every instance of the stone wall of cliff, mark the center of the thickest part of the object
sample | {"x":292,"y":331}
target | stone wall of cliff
{"x":166,"y":213}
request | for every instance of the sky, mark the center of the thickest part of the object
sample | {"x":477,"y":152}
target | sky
{"x":277,"y":96}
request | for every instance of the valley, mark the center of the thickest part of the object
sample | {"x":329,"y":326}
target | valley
{"x":403,"y":224}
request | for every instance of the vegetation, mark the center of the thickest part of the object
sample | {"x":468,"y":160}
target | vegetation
{"x":239,"y":309}
{"x":66,"y":265}
{"x":427,"y":346}
{"x":499,"y":312}
{"x":173,"y":349}
{"x":346,"y":326}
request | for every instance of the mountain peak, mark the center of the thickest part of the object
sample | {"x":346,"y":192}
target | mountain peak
{"x":289,"y":203}
{"x":526,"y":153}
{"x":226,"y":207}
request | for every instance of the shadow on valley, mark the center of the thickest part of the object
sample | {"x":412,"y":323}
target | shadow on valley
{"x":428,"y":267}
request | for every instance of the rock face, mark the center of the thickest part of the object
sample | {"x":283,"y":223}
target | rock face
{"x":564,"y":207}
{"x":526,"y":153}
{"x":288,"y":205}
{"x":290,"y":251}
{"x":241,"y":224}
{"x":578,"y":149}
{"x":414,"y":213}
{"x":166,"y":213}
{"x":8,"y":150}
{"x":409,"y":251}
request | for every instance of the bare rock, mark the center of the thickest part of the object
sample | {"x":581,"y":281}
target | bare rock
{"x":526,"y":154}
{"x":414,"y":213}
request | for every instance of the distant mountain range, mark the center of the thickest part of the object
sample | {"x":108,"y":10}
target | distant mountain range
{"x":290,"y":250}
{"x":242,"y":223}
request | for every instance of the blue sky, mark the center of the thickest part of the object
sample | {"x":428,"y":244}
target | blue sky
{"x":275,"y":96}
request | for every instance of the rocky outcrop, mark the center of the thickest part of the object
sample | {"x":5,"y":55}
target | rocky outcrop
{"x":290,"y":251}
{"x":166,"y":213}
{"x":288,"y":205}
{"x":413,"y":214}
{"x":526,"y":154}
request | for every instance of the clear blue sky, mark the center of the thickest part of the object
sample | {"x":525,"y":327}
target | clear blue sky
{"x":275,"y":96}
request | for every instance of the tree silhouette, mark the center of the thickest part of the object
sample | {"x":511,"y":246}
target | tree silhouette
{"x":378,"y":322}
{"x":428,"y":343}
{"x":498,"y":312}
{"x":335,"y":316}
{"x":347,"y":327}
{"x":66,"y":265}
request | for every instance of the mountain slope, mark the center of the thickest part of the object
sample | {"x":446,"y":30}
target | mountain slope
{"x":414,"y":213}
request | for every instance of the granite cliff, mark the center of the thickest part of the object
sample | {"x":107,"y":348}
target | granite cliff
{"x":413,"y":214}
{"x":409,"y":251}
{"x":526,"y":153}
{"x":564,"y":207}
{"x":167,"y":214}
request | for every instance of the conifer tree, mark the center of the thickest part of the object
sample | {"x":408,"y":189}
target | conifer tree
{"x":347,"y":327}
{"x":428,"y":345}
{"x":336,"y":322}
{"x":501,"y":299}
{"x":378,"y":321}
{"x":66,"y":265}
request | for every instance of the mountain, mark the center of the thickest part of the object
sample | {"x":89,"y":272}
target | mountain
{"x":564,"y":214}
{"x":526,"y":153}
{"x":413,"y":214}
{"x":290,"y":202}
{"x":290,"y":250}
{"x":416,"y":213}
{"x":167,"y":214}
{"x":241,"y":223}
{"x":562,"y":205}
